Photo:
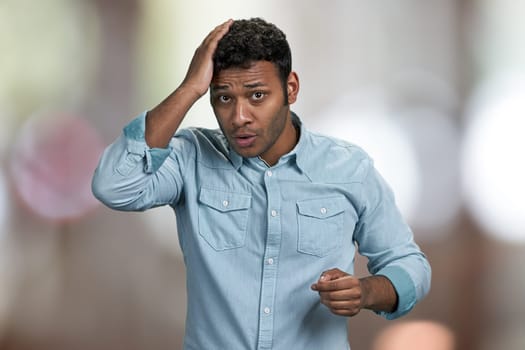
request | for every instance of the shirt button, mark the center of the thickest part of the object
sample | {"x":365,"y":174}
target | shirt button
{"x":274,"y":213}
{"x":225,"y":203}
{"x":270,"y":261}
{"x":267,"y":310}
{"x":269,"y":173}
{"x":323,"y":210}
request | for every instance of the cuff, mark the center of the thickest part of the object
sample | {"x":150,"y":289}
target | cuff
{"x":405,"y":289}
{"x":136,"y":144}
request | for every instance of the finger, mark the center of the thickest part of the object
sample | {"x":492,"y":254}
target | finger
{"x":217,"y":33}
{"x":327,"y":276}
{"x":331,"y":303}
{"x":343,"y":308}
{"x":342,"y":305}
{"x":200,"y":71}
{"x":219,"y":28}
{"x":332,"y":274}
{"x":345,"y":312}
{"x":346,"y":294}
{"x":345,"y":282}
{"x":346,"y":308}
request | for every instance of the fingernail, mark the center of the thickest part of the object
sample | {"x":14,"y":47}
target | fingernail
{"x":323,"y":277}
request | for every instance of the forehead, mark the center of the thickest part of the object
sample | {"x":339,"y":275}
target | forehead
{"x":257,"y":72}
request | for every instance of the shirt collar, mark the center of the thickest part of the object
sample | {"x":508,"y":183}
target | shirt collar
{"x":300,"y":151}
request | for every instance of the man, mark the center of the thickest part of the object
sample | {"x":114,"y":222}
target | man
{"x":269,"y":215}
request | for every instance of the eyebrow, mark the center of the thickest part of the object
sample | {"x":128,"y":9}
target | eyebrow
{"x":248,"y":86}
{"x":254,"y":85}
{"x":219,"y":87}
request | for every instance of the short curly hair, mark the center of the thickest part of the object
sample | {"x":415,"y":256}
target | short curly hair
{"x":250,"y":40}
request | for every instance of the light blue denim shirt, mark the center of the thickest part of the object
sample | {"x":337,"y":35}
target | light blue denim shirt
{"x":255,"y":238}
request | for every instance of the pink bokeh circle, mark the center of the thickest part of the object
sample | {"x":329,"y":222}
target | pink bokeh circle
{"x":52,"y":164}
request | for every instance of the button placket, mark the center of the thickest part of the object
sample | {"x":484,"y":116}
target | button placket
{"x":269,"y":268}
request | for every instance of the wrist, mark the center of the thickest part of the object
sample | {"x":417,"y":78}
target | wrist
{"x":192,"y":91}
{"x":378,"y":294}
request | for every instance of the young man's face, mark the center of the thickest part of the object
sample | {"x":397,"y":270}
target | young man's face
{"x":249,"y":106}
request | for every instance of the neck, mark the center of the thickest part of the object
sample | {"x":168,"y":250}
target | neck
{"x":291,"y":134}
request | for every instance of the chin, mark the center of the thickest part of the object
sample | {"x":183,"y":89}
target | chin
{"x":246,"y":153}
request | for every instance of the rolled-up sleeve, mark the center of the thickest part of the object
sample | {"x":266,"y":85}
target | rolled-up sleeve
{"x":132,"y":176}
{"x":388,"y":242}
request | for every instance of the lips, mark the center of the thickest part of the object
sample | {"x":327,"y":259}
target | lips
{"x":244,"y":140}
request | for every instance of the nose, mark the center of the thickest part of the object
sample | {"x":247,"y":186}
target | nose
{"x":240,"y":115}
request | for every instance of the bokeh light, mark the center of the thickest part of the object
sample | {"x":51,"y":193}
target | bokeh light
{"x":436,"y":143}
{"x":493,"y":164}
{"x":52,"y":164}
{"x":362,"y":119}
{"x":415,"y":335}
{"x":425,"y":105}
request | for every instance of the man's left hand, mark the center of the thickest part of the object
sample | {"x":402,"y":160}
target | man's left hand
{"x":340,"y":292}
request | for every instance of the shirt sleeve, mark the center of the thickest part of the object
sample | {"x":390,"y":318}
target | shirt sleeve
{"x":388,"y":242}
{"x":131,"y":176}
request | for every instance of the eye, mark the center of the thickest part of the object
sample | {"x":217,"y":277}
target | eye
{"x":258,"y":95}
{"x":223,"y":98}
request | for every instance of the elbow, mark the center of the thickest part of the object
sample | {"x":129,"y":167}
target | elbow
{"x":108,"y":193}
{"x":102,"y":191}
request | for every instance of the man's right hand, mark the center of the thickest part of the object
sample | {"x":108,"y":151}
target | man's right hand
{"x":200,"y":72}
{"x":163,"y":121}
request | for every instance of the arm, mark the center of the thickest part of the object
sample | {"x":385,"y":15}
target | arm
{"x":383,"y":236}
{"x":139,"y":171}
{"x":400,"y":271}
{"x":163,"y":121}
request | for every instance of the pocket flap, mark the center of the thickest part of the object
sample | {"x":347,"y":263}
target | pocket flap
{"x":322,"y":207}
{"x":223,"y":200}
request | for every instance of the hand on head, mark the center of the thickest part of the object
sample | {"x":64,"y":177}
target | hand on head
{"x":200,"y":71}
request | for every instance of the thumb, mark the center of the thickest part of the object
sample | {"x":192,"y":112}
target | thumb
{"x":327,"y":276}
{"x":332,"y":274}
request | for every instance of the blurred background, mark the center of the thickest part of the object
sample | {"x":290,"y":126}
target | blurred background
{"x":434,"y":90}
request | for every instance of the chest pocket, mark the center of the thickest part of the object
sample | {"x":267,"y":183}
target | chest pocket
{"x":320,"y":225}
{"x":223,"y":218}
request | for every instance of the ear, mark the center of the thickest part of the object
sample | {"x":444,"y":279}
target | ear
{"x":292,"y":86}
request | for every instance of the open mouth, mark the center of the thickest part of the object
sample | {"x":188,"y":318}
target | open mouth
{"x":244,"y":140}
